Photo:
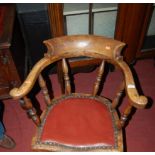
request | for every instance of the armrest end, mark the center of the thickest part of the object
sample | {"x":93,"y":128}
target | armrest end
{"x":141,"y":102}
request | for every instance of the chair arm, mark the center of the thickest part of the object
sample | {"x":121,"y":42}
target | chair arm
{"x":27,"y":85}
{"x":136,"y":100}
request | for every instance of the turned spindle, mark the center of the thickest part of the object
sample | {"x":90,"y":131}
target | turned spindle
{"x":66,"y":77}
{"x":118,"y":95}
{"x":98,"y":79}
{"x":44,"y":89}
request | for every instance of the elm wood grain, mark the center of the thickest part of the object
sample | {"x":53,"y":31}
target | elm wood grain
{"x":119,"y":94}
{"x":91,"y":46}
{"x":136,"y":100}
{"x":66,"y":77}
{"x":97,"y":47}
{"x":44,"y":89}
{"x":31,"y":78}
{"x":98,"y":79}
{"x":80,"y":44}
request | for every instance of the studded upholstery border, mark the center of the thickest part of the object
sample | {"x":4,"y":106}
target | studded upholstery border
{"x":37,"y":144}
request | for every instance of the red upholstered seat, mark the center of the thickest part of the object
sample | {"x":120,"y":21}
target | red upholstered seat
{"x":79,"y":121}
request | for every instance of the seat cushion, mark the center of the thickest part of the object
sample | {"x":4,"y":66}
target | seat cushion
{"x":77,"y":122}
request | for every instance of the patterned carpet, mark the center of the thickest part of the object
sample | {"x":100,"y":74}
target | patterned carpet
{"x":140,"y":135}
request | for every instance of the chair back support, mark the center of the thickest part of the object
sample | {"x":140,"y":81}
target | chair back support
{"x":84,"y":45}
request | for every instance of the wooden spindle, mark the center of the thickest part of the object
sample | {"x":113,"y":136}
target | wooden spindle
{"x":98,"y":79}
{"x":26,"y":104}
{"x":66,"y":77}
{"x":44,"y":89}
{"x":118,"y":95}
{"x":124,"y":116}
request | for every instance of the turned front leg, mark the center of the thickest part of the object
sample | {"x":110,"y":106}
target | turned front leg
{"x":26,"y":104}
{"x":124,"y":116}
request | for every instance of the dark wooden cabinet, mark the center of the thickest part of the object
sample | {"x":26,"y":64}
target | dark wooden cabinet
{"x":9,"y":76}
{"x":131,"y":27}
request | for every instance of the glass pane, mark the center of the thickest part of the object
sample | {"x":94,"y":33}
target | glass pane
{"x":106,"y":26}
{"x":149,"y":42}
{"x":77,"y":18}
{"x":105,"y":19}
{"x":77,"y":24}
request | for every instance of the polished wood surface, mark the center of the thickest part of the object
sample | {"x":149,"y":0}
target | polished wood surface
{"x":82,"y":44}
{"x":56,"y":19}
{"x":99,"y":78}
{"x":44,"y":89}
{"x":124,"y":116}
{"x":55,"y":13}
{"x":131,"y":26}
{"x":108,"y":50}
{"x":85,"y":45}
{"x":27,"y":105}
{"x":66,"y":77}
{"x":119,"y":94}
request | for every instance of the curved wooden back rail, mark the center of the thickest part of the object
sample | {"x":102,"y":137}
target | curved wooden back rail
{"x":84,"y":45}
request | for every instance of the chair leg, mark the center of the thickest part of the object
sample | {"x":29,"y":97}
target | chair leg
{"x":26,"y":104}
{"x":124,"y":116}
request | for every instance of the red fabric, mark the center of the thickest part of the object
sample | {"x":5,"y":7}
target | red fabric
{"x":79,"y":122}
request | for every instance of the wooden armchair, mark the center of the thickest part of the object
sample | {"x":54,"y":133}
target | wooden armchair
{"x":78,"y":121}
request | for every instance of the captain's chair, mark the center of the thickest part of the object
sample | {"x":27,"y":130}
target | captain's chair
{"x":78,"y":121}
